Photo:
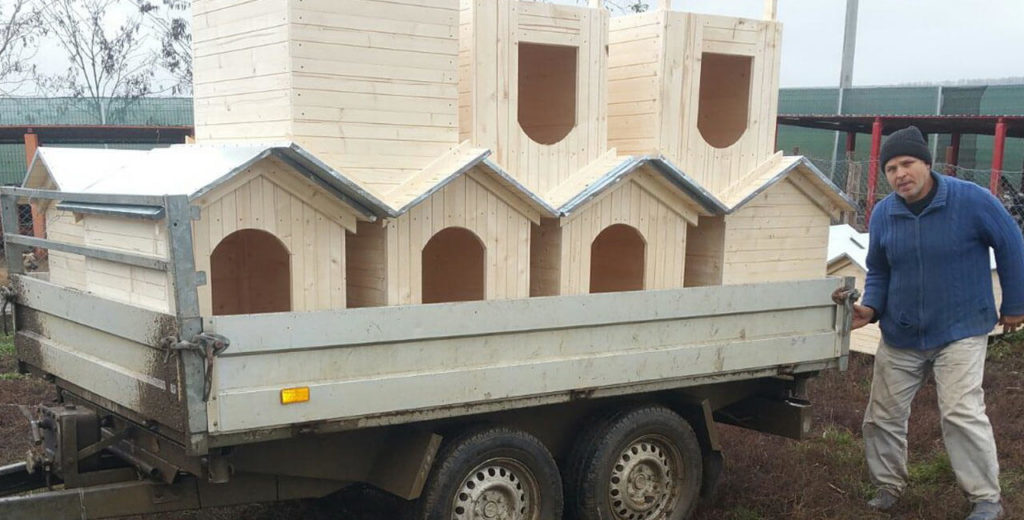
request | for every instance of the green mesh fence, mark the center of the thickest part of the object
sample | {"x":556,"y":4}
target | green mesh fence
{"x":82,"y":111}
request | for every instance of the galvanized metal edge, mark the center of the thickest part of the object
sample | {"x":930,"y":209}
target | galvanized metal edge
{"x":136,"y":260}
{"x":607,"y":180}
{"x":100,"y":198}
{"x":673,"y":174}
{"x":139,"y":212}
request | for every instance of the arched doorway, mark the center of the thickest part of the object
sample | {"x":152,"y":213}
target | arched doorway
{"x":453,"y":267}
{"x":250,"y":274}
{"x":617,"y":260}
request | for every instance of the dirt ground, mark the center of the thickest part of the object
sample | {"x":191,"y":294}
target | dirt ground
{"x":766,"y":477}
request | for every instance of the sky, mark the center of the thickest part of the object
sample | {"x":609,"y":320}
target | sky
{"x":898,"y":41}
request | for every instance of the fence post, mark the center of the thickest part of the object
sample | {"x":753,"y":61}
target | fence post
{"x":997,"y":156}
{"x":876,"y":146}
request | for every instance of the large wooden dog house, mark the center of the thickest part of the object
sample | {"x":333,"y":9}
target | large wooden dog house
{"x":270,"y":234}
{"x":700,"y":89}
{"x":368,"y":86}
{"x":532,"y":86}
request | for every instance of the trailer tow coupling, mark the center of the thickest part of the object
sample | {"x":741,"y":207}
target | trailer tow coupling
{"x":204,"y":344}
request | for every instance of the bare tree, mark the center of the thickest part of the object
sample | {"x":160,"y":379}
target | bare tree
{"x":108,"y":64}
{"x":19,"y":37}
{"x":172,"y":21}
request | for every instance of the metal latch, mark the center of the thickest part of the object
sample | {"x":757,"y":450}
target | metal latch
{"x":207,"y":345}
{"x":846,"y":297}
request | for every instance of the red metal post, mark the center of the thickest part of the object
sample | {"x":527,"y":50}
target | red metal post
{"x":953,"y":155}
{"x":38,"y":219}
{"x":997,"y":156}
{"x":851,"y":141}
{"x":876,"y":146}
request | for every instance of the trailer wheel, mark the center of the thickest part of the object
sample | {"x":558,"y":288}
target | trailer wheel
{"x":492,"y":473}
{"x":640,"y":463}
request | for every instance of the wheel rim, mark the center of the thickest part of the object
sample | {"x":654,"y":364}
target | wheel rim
{"x":498,"y":489}
{"x":646,"y":480}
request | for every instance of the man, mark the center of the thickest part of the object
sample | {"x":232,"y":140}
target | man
{"x":929,"y":287}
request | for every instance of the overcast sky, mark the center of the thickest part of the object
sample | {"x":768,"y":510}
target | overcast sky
{"x":898,"y":41}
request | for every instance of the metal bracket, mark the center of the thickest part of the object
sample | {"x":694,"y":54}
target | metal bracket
{"x":206,"y":345}
{"x":846,"y":297}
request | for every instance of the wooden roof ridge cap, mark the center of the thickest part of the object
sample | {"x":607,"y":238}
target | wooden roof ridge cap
{"x":440,"y":171}
{"x":757,"y":177}
{"x":686,"y":184}
{"x":584,"y":178}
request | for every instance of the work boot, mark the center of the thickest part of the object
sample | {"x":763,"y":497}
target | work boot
{"x":986,"y":511}
{"x":885,"y":500}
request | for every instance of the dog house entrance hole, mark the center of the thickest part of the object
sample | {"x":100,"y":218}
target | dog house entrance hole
{"x":250,"y":274}
{"x":724,"y":98}
{"x":547,"y":91}
{"x":617,"y":260}
{"x":453,"y":267}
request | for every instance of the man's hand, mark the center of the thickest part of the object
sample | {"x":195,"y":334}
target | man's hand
{"x":1011,"y":323}
{"x":862,"y":315}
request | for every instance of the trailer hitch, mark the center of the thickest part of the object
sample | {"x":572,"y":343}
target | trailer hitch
{"x":207,"y":345}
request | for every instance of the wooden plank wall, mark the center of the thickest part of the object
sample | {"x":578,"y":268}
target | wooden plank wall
{"x":705,"y":244}
{"x":780,"y":235}
{"x":478,"y":204}
{"x":375,"y":84}
{"x":635,"y":47}
{"x":140,"y":286}
{"x":65,"y":268}
{"x":719,"y":168}
{"x":489,"y":85}
{"x":309,"y":222}
{"x":654,"y":90}
{"x":545,"y":258}
{"x":241,"y":64}
{"x":635,"y":204}
{"x":366,"y":266}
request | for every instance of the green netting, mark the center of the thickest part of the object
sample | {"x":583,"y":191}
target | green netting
{"x":12,"y":163}
{"x":808,"y":101}
{"x":891,"y":100}
{"x":82,"y":111}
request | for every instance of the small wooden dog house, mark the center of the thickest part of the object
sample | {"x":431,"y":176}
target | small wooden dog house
{"x":775,"y":227}
{"x":532,"y":86}
{"x":458,"y":230}
{"x":368,"y":86}
{"x":623,"y":227}
{"x":270,"y":234}
{"x":700,"y":89}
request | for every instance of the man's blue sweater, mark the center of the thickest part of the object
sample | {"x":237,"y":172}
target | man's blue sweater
{"x":929,"y":278}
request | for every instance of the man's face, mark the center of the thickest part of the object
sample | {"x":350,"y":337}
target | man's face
{"x":909,"y":177}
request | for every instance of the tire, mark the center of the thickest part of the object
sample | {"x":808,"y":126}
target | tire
{"x":639,"y":463}
{"x":492,"y":471}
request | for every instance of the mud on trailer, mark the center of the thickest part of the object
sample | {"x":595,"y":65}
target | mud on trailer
{"x":602,"y":405}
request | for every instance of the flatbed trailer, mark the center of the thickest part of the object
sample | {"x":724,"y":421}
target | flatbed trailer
{"x":603,"y":402}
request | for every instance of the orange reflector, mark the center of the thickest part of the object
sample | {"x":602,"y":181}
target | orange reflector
{"x":295,"y":395}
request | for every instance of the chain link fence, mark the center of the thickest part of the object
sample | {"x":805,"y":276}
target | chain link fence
{"x":852,"y":178}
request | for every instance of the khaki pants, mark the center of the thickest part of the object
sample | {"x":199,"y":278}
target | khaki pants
{"x":959,"y":368}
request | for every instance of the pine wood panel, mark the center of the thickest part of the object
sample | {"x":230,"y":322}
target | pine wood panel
{"x":366,"y":266}
{"x":466,"y":202}
{"x":135,"y":285}
{"x":65,"y":268}
{"x":791,"y":243}
{"x":668,"y":125}
{"x":308,"y":221}
{"x":489,"y":85}
{"x":631,"y":203}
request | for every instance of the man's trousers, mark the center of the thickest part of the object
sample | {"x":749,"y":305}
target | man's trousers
{"x":898,"y":374}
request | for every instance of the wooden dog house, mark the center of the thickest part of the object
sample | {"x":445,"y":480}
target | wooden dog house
{"x":623,"y":227}
{"x":459,"y":230}
{"x":702,"y":90}
{"x":368,"y":86}
{"x":775,"y":227}
{"x":532,"y":86}
{"x":270,"y":234}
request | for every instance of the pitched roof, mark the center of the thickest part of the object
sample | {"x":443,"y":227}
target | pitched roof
{"x":189,"y":169}
{"x":805,"y":174}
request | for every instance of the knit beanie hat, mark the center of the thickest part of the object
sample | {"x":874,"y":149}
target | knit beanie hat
{"x":907,"y":141}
